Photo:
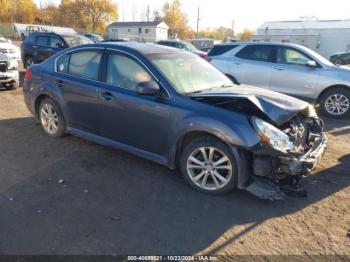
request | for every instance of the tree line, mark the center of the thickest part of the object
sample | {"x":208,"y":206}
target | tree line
{"x":95,"y":15}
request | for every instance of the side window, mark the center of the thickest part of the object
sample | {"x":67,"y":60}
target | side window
{"x":42,"y":41}
{"x":256,"y":52}
{"x":124,"y":72}
{"x":85,"y":64}
{"x":291,"y":56}
{"x":62,"y":64}
{"x":55,"y":42}
{"x":221,"y":49}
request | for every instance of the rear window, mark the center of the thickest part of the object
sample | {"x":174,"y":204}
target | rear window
{"x":221,"y":49}
{"x":256,"y":52}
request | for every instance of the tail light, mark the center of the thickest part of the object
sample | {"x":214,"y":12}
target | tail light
{"x":28,"y":74}
{"x":205,"y":57}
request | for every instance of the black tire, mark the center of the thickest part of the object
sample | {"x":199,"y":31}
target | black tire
{"x":28,"y":61}
{"x":60,"y":120}
{"x":339,"y":62}
{"x":12,"y":86}
{"x":233,"y":79}
{"x":328,"y":94}
{"x":206,"y":142}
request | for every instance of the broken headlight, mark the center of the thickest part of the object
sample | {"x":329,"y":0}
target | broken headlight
{"x":272,"y":135}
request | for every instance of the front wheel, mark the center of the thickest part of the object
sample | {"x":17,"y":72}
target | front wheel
{"x":51,"y":118}
{"x":209,"y":166}
{"x":335,"y":103}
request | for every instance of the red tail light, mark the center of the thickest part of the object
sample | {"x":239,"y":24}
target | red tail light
{"x":205,"y":57}
{"x":28,"y":74}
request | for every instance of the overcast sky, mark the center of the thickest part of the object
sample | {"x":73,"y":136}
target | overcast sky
{"x":246,"y":13}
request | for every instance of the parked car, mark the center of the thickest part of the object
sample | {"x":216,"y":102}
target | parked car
{"x":174,"y":108}
{"x":287,"y":68}
{"x":31,"y":29}
{"x":340,"y":58}
{"x":39,"y":46}
{"x":183,"y":45}
{"x":9,"y":49}
{"x":8,"y":72}
{"x":94,"y":37}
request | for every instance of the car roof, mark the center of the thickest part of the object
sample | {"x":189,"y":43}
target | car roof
{"x":258,"y":43}
{"x":143,"y":48}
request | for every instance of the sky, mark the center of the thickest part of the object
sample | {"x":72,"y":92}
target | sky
{"x":248,"y":14}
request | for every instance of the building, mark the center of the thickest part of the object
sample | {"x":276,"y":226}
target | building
{"x":138,"y":31}
{"x":323,"y":36}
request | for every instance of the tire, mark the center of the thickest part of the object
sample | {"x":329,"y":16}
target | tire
{"x":196,"y":176}
{"x":12,"y":86}
{"x":51,"y":118}
{"x":28,"y":61}
{"x":339,"y":62}
{"x":330,"y":97}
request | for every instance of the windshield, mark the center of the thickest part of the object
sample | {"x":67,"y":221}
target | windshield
{"x":189,"y":73}
{"x":73,"y":40}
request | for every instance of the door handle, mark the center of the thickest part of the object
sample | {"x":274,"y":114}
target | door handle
{"x":105,"y":95}
{"x":60,"y":83}
{"x":279,"y":69}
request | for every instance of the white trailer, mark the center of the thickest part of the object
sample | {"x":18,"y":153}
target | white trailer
{"x":323,"y":36}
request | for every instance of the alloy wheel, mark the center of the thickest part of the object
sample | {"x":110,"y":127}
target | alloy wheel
{"x":49,"y":119}
{"x":209,"y":168}
{"x":337,"y":104}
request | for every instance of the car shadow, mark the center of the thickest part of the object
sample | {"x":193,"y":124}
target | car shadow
{"x":69,"y":196}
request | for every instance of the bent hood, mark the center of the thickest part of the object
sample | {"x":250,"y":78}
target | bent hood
{"x":278,"y":107}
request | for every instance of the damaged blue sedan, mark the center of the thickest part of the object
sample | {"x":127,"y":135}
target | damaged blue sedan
{"x":174,"y":108}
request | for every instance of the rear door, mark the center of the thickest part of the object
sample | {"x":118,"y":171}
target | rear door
{"x":78,"y":75}
{"x":252,"y":65}
{"x":291,"y":73}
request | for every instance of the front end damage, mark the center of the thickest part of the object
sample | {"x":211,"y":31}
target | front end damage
{"x":276,"y":174}
{"x":292,"y":146}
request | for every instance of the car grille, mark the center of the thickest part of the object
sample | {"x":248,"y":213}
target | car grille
{"x":7,"y":51}
{"x":3,"y":67}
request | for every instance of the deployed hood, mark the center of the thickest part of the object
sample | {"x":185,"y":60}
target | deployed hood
{"x":278,"y":108}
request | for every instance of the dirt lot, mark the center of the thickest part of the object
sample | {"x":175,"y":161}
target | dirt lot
{"x":111,"y":202}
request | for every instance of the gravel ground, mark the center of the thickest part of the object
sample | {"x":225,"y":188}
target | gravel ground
{"x":69,"y":196}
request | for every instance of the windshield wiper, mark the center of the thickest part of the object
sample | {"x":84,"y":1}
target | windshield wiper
{"x":209,"y":89}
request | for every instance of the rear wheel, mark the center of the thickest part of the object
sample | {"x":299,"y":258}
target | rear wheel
{"x":339,"y":62}
{"x":335,"y":103}
{"x":209,"y":166}
{"x":12,"y":86}
{"x":51,"y":118}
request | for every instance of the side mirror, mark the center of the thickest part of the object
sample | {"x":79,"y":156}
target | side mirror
{"x":147,"y":88}
{"x":311,"y":63}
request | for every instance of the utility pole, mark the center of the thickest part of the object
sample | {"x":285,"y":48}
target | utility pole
{"x":41,"y":13}
{"x":148,"y":13}
{"x":233,"y":28}
{"x":198,"y":18}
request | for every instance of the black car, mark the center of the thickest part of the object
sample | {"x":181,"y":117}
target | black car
{"x":40,"y":45}
{"x":340,"y":58}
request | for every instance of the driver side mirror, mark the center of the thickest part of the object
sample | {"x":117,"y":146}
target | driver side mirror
{"x":147,"y":88}
{"x":311,"y":63}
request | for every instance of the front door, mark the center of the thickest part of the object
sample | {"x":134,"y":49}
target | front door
{"x":291,"y":73}
{"x":136,"y":120}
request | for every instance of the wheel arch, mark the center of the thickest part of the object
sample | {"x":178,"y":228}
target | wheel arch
{"x":233,"y":79}
{"x":331,"y":88}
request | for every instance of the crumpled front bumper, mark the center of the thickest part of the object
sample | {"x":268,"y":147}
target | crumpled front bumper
{"x":305,"y":163}
{"x":267,"y":162}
